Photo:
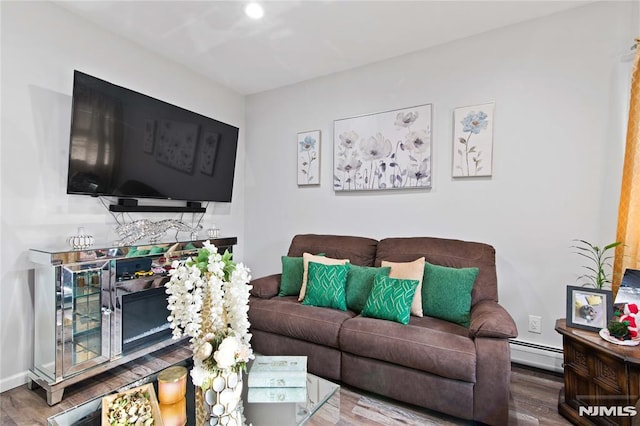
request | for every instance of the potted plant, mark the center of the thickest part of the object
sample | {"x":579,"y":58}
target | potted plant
{"x":598,"y":261}
{"x":618,"y":329}
{"x":624,"y":326}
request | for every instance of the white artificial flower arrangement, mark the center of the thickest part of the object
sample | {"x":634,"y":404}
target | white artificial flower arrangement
{"x":209,"y":302}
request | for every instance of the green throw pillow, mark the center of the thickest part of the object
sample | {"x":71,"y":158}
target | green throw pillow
{"x":325,"y":286}
{"x":291,"y":280}
{"x":133,"y":252}
{"x":390,"y":299}
{"x":446,"y":292}
{"x":157,"y":250}
{"x":292,"y":272}
{"x":359,"y":285}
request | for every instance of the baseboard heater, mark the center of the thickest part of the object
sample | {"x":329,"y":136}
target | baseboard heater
{"x":536,"y":355}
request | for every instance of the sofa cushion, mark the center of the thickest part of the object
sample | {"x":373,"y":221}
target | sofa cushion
{"x":308,"y":257}
{"x":446,"y":292}
{"x":360,"y":283}
{"x":390,"y":299}
{"x":292,"y":275}
{"x":359,"y":250}
{"x":286,"y":317}
{"x":326,"y":286}
{"x":428,"y":344}
{"x":413,"y":270}
{"x":446,"y":252}
{"x":291,"y":281}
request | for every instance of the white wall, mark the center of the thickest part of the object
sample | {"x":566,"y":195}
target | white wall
{"x":558,"y":147}
{"x":41,"y":46}
{"x":557,"y":86}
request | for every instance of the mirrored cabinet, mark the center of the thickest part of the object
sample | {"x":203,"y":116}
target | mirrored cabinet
{"x":101,"y":307}
{"x":85,"y":322}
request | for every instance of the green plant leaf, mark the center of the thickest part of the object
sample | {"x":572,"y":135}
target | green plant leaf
{"x":587,"y":243}
{"x":599,"y":259}
{"x":612,"y":245}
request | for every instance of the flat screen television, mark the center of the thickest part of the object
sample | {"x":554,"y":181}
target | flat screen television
{"x":126,"y":144}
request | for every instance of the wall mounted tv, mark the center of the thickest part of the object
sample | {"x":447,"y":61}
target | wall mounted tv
{"x":129,"y":145}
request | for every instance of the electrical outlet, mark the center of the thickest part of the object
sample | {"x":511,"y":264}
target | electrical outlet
{"x":535,"y":324}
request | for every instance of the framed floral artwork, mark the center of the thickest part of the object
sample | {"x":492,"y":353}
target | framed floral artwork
{"x":473,"y":140}
{"x":381,"y":151}
{"x":309,"y":158}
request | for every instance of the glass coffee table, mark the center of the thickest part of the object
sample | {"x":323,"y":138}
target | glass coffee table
{"x":323,"y":400}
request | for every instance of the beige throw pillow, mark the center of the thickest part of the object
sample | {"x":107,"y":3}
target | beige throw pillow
{"x":409,"y":271}
{"x":308,"y":257}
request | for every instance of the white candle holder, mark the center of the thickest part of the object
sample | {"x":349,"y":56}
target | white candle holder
{"x":81,"y":240}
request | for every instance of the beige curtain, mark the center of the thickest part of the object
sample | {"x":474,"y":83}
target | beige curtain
{"x":626,"y":255}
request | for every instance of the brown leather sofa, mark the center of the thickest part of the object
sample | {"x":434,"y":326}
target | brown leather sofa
{"x":439,"y":365}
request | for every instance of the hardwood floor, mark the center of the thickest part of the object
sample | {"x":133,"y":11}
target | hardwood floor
{"x":21,"y":406}
{"x":534,"y":398}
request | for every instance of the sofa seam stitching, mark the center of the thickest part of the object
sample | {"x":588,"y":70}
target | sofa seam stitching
{"x":405,"y":340}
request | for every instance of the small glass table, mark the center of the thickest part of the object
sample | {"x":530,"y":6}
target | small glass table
{"x":319,"y":393}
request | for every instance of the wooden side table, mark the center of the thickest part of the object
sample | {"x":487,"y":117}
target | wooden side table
{"x":598,"y":373}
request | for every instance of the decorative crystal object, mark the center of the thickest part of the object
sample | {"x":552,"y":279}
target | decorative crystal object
{"x":213,"y":232}
{"x":81,"y":240}
{"x":144,"y":228}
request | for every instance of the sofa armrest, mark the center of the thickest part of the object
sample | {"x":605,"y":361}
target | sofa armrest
{"x":266,"y":287}
{"x":489,"y":319}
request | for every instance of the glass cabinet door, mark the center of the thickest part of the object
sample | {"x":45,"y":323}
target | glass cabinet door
{"x":86,"y":313}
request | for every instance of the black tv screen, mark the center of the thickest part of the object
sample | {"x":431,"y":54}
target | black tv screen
{"x":130,"y":145}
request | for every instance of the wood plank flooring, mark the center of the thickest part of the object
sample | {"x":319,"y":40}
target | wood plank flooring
{"x":534,"y":398}
{"x":21,"y":406}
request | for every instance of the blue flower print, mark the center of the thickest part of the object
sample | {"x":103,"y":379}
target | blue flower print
{"x":307,"y":144}
{"x":475,"y":122}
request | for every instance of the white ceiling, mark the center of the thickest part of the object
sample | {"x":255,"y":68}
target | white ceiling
{"x":299,"y":40}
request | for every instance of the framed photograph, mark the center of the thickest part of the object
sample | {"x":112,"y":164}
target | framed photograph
{"x":589,"y":308}
{"x":387,"y":150}
{"x":309,"y":158}
{"x":473,"y":141}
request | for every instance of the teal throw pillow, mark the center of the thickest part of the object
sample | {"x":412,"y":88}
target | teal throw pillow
{"x":446,"y":292}
{"x":359,"y":285}
{"x":291,"y":280}
{"x":157,"y":250}
{"x":133,"y":252}
{"x":326,"y":286}
{"x":390,"y":299}
{"x":292,"y":273}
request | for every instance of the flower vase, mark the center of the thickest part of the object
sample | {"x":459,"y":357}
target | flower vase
{"x":218,"y":400}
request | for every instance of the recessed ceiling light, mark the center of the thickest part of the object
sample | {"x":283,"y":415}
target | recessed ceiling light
{"x":254,"y":10}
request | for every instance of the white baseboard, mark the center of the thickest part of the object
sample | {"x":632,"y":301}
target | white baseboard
{"x":13,"y":381}
{"x":536,"y":355}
